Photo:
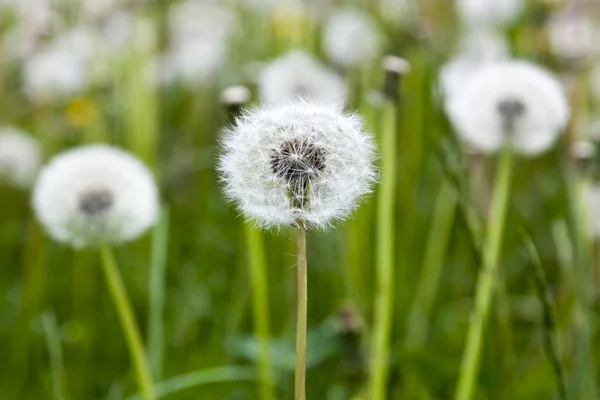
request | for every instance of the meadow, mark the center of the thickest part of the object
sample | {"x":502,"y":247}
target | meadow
{"x":466,"y":273}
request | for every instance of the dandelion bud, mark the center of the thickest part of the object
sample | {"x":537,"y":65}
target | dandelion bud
{"x":95,"y":194}
{"x":394,"y":68}
{"x":583,"y":152}
{"x":20,"y":157}
{"x":297,"y":164}
{"x":514,"y":103}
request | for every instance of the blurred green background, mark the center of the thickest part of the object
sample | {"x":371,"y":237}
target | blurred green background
{"x":59,"y":334}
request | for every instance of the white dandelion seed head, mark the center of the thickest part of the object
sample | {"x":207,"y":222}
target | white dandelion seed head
{"x":297,"y":162}
{"x":193,"y":61}
{"x":350,"y":38}
{"x":573,"y":35}
{"x":297,"y":75}
{"x":512,"y":102}
{"x":488,"y":12}
{"x":20,"y":157}
{"x":95,"y":194}
{"x":399,"y":12}
{"x":191,"y":19}
{"x":235,"y":95}
{"x":54,"y":71}
{"x":477,"y":48}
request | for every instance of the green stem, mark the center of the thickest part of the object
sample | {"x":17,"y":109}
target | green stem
{"x":487,"y":275}
{"x":128,"y":323}
{"x":384,"y":258}
{"x":51,"y":332}
{"x":156,"y":295}
{"x":260,"y":307}
{"x":439,"y":232}
{"x":302,"y":303}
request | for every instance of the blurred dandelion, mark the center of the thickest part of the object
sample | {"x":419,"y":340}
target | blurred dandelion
{"x":350,"y":39}
{"x":573,"y":35}
{"x":512,"y":102}
{"x":297,"y":75}
{"x":20,"y":157}
{"x":488,"y":12}
{"x":95,"y":195}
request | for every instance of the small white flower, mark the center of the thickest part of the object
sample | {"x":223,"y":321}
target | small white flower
{"x":477,"y":49}
{"x":350,"y":38}
{"x":95,"y":194}
{"x":513,"y":101}
{"x":20,"y":157}
{"x":488,"y":12}
{"x":573,"y":35}
{"x":55,"y":71}
{"x":296,"y":74}
{"x":297,"y":163}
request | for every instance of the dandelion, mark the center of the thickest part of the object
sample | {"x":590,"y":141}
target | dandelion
{"x":477,"y":48}
{"x":298,"y":164}
{"x":20,"y":157}
{"x":573,"y":35}
{"x":96,"y":196}
{"x":511,"y":102}
{"x":517,"y":107}
{"x":297,"y":75}
{"x":350,"y":39}
{"x":488,"y":12}
{"x":55,"y":71}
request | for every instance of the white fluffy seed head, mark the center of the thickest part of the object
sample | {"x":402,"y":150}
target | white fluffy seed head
{"x":20,"y":157}
{"x":573,"y":35}
{"x":488,"y":12}
{"x":297,"y":163}
{"x":512,"y":102}
{"x":297,"y":75}
{"x":95,"y":194}
{"x":350,"y":38}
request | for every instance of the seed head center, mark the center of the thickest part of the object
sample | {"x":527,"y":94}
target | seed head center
{"x":95,"y":202}
{"x":298,"y":160}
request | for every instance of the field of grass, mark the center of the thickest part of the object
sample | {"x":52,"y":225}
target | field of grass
{"x":215,"y":298}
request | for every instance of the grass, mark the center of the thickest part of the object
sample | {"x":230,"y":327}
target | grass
{"x":217,"y":299}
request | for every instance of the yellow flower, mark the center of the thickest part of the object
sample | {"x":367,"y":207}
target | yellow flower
{"x":80,"y":112}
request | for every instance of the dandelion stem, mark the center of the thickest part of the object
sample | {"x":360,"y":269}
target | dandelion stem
{"x":156,"y":295}
{"x":487,"y":275}
{"x":384,"y":257}
{"x":302,"y":301}
{"x":128,"y":323}
{"x":260,"y":308}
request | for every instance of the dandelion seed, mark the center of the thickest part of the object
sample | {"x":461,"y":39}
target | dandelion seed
{"x":20,"y":157}
{"x":297,"y":75}
{"x":350,"y":39}
{"x":510,"y":102}
{"x":297,"y":163}
{"x":488,"y":12}
{"x":94,"y":195}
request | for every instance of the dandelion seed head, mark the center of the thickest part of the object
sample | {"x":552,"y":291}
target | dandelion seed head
{"x":350,"y":39}
{"x":512,"y":102}
{"x":20,"y":157}
{"x":488,"y":12}
{"x":95,"y":194}
{"x":297,"y":161}
{"x":573,"y":35}
{"x":296,"y":74}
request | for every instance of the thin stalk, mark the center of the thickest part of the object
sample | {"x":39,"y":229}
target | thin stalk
{"x":302,"y":304}
{"x":384,"y":257}
{"x":128,"y":323}
{"x":51,"y":332}
{"x":156,"y":294}
{"x":487,"y":276}
{"x":260,"y":307}
{"x":433,"y":262}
